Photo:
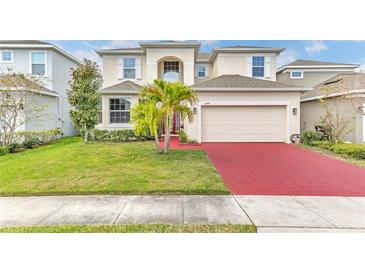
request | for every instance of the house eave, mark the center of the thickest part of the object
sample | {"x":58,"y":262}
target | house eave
{"x":299,"y":89}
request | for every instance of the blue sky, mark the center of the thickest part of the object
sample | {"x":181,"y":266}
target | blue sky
{"x":333,"y":51}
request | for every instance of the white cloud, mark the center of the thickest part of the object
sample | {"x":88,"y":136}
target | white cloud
{"x":315,"y":47}
{"x":286,"y":57}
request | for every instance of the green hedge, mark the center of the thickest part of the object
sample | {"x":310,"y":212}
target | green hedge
{"x":4,"y":150}
{"x":308,"y":137}
{"x":121,"y":135}
{"x":356,"y":151}
{"x":40,"y":136}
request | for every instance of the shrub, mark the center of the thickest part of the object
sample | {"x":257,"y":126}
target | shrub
{"x":184,"y":138}
{"x":308,"y":137}
{"x":42,"y":136}
{"x":356,"y":151}
{"x":14,"y":147}
{"x":323,"y":144}
{"x":31,"y":143}
{"x":122,"y":135}
{"x":4,"y":150}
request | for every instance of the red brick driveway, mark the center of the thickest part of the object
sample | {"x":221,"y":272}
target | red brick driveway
{"x":281,"y":169}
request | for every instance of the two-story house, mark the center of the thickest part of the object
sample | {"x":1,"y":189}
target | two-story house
{"x":239,"y":97}
{"x":330,"y":81}
{"x":51,"y":65}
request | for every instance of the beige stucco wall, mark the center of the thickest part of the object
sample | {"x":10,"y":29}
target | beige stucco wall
{"x":291,"y":99}
{"x":154,"y":55}
{"x":111,"y":69}
{"x":240,"y":63}
{"x":310,"y":78}
{"x":312,"y":110}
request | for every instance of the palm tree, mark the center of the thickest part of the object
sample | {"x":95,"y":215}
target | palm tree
{"x":173,"y":97}
{"x":147,"y":117}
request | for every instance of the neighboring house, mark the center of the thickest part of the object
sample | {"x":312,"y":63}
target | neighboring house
{"x":330,"y":81}
{"x":52,"y":65}
{"x":239,"y":98}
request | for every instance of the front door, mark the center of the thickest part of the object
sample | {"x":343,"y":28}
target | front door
{"x":176,"y":123}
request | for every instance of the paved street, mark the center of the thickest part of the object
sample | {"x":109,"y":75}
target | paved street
{"x":268,"y":213}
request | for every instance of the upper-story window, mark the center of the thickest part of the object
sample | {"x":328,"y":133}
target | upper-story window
{"x":129,"y":68}
{"x":297,"y":74}
{"x":6,"y":56}
{"x":201,"y":71}
{"x":119,"y":110}
{"x":258,"y":66}
{"x":38,"y":62}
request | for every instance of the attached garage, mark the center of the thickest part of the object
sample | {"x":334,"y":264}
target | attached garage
{"x":243,"y":123}
{"x":236,"y":108}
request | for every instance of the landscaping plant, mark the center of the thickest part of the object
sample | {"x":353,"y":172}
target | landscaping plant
{"x":84,"y":98}
{"x":308,"y":137}
{"x":167,"y":98}
{"x":17,"y":103}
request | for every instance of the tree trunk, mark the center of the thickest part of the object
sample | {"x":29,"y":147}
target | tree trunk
{"x":157,"y":141}
{"x":167,"y":133}
{"x":85,"y":134}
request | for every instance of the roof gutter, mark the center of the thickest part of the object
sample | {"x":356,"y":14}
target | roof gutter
{"x":315,"y":67}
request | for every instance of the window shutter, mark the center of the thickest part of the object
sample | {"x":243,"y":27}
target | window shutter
{"x":120,"y":68}
{"x":138,"y":68}
{"x":249,"y":66}
{"x":196,"y":70}
{"x":267,"y":67}
{"x":206,"y":70}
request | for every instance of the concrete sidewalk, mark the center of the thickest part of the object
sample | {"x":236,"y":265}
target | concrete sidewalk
{"x":268,"y":213}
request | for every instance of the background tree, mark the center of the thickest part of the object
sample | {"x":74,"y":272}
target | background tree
{"x":18,"y":103}
{"x":83,"y":96}
{"x":173,"y":97}
{"x":333,"y":122}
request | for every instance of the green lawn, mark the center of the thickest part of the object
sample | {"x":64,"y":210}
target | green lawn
{"x":70,"y":167}
{"x":158,"y":228}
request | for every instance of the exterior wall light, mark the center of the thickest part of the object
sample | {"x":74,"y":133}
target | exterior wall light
{"x":362,"y":109}
{"x":295,"y":111}
{"x":194,"y":110}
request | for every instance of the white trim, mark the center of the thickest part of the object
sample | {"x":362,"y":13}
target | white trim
{"x":355,"y":91}
{"x":253,"y":103}
{"x":317,"y":66}
{"x":296,"y":77}
{"x":45,"y":62}
{"x":1,"y":56}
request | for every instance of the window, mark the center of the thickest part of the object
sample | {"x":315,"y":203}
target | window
{"x":171,"y":71}
{"x":6,"y":56}
{"x":296,"y":74}
{"x":258,"y":66}
{"x":129,"y":68}
{"x":38,"y":62}
{"x":201,"y":71}
{"x":119,"y":111}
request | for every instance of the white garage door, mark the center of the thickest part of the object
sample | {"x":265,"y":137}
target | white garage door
{"x":243,"y":123}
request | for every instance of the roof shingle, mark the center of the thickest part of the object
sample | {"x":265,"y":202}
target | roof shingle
{"x":126,"y":86}
{"x":239,"y":81}
{"x":316,"y":63}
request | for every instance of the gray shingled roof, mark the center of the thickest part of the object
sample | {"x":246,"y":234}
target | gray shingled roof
{"x":126,"y":86}
{"x":239,"y":81}
{"x":24,"y":42}
{"x":316,"y":63}
{"x":22,"y":84}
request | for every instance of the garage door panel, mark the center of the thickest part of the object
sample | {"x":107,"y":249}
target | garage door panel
{"x":243,"y":123}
